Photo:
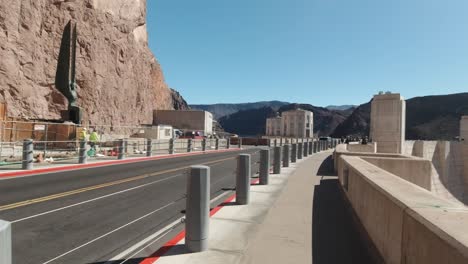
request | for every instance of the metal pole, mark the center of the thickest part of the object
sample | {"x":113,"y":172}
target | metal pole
{"x":171,"y":146}
{"x":264,"y":166}
{"x":240,"y":143}
{"x":149,"y":147}
{"x":276,"y":142}
{"x":293,"y":152}
{"x":5,"y":242}
{"x":217,"y":144}
{"x":28,"y":147}
{"x":46,"y":138}
{"x":310,"y":147}
{"x":189,"y":145}
{"x":306,"y":148}
{"x":203,"y":144}
{"x":299,"y":151}
{"x":277,"y":160}
{"x":197,"y":214}
{"x":286,"y":156}
{"x":228,"y":143}
{"x":243,"y":179}
{"x":82,"y":157}
{"x":121,"y":149}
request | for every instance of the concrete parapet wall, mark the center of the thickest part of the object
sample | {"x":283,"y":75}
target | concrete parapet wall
{"x":407,"y":223}
{"x":416,"y":171}
{"x":371,"y":147}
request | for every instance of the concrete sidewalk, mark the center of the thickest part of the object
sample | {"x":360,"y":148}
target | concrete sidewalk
{"x":300,"y":217}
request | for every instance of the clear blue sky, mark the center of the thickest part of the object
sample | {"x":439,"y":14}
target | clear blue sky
{"x":320,"y":52}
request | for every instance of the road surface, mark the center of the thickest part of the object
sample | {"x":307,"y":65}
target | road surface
{"x":92,"y":215}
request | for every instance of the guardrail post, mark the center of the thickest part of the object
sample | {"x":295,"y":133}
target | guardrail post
{"x":203,"y":144}
{"x":275,"y":143}
{"x":82,"y":157}
{"x":189,"y":145}
{"x":281,"y":141}
{"x":171,"y":145}
{"x":28,"y":147}
{"x":264,"y":173}
{"x":149,"y":147}
{"x":293,"y":152}
{"x":310,"y":147}
{"x":277,"y":160}
{"x":217,"y":144}
{"x":228,"y":143}
{"x":240,"y":143}
{"x":121,"y":149}
{"x":286,"y":156}
{"x":197,"y":213}
{"x":5,"y":242}
{"x":243,"y":179}
{"x":306,"y":148}
{"x":314,"y":146}
{"x":299,"y":151}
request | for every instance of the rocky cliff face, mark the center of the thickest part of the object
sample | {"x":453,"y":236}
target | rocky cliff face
{"x":119,"y":80}
{"x":178,"y":102}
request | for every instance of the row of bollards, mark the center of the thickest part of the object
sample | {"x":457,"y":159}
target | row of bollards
{"x":198,"y":190}
{"x":122,"y":145}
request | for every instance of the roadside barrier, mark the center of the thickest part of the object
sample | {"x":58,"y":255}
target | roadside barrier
{"x":277,"y":159}
{"x":243,"y":179}
{"x":286,"y":157}
{"x":264,"y":170}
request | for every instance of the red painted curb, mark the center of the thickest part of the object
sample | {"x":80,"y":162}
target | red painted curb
{"x":105,"y":163}
{"x":171,"y":243}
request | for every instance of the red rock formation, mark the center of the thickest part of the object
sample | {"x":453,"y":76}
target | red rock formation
{"x":119,"y":80}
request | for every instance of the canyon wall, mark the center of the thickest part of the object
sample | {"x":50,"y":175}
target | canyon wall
{"x":119,"y":80}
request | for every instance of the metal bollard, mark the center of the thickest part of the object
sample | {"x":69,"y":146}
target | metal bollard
{"x":264,"y":173}
{"x":310,"y":147}
{"x":197,"y":213}
{"x":293,"y":152}
{"x":203,"y":144}
{"x":286,"y":156}
{"x":82,"y":157}
{"x":189,"y":145}
{"x":299,"y":151}
{"x":28,"y":147}
{"x":281,"y":141}
{"x":277,"y":160}
{"x":315,"y":146}
{"x":5,"y":242}
{"x":240,"y":143}
{"x":243,"y":179}
{"x":228,"y":143}
{"x":306,"y":148}
{"x":171,"y":146}
{"x":275,"y":142}
{"x":121,"y":149}
{"x":149,"y":147}
{"x":217,"y":144}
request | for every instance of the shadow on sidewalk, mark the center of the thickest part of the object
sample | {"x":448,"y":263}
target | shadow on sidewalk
{"x":335,"y":238}
{"x":326,"y":168}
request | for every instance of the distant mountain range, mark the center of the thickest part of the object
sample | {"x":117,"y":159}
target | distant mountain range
{"x":220,"y":110}
{"x":427,"y":117}
{"x":340,"y":107}
{"x":251,"y":122}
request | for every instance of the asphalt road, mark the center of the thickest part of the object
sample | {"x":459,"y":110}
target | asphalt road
{"x":92,"y":215}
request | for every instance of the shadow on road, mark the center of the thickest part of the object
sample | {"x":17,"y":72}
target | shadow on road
{"x":335,"y":239}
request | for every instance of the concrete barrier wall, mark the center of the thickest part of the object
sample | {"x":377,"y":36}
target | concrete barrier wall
{"x":417,"y":171}
{"x":450,"y":166}
{"x":372,"y":147}
{"x":407,"y":224}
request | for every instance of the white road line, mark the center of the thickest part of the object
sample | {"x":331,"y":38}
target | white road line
{"x":94,"y":199}
{"x":110,"y":232}
{"x":153,"y":238}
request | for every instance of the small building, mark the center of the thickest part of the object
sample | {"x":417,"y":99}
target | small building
{"x":156,"y":132}
{"x":296,"y":123}
{"x":273,"y":126}
{"x":189,"y":120}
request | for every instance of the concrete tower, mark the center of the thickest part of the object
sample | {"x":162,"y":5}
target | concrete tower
{"x":388,"y":118}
